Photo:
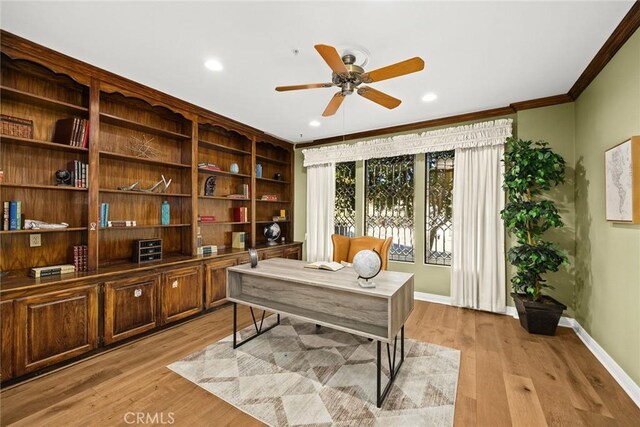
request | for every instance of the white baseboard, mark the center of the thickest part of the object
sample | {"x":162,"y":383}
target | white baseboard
{"x":618,"y":374}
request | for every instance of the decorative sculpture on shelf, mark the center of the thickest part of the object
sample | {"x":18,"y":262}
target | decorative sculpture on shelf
{"x":33,"y":224}
{"x":141,"y":147}
{"x":210,"y":186}
{"x":63,"y":177}
{"x":163,"y":185}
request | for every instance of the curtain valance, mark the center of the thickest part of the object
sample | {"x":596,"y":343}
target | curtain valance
{"x":482,"y":134}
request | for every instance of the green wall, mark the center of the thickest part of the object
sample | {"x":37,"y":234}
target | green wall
{"x":608,"y":255}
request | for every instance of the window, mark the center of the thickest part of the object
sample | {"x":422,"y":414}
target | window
{"x":438,"y":210}
{"x":389,"y":190}
{"x":345,"y":210}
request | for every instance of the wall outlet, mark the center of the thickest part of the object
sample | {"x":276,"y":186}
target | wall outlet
{"x":34,"y":240}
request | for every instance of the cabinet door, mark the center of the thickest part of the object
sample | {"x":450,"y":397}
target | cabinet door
{"x":55,"y":326}
{"x":271,"y":253}
{"x":130,"y":307}
{"x":6,"y":340}
{"x":293,"y":253}
{"x":181,"y":293}
{"x":216,"y":281}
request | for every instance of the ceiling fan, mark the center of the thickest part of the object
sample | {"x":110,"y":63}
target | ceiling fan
{"x":348,"y":77}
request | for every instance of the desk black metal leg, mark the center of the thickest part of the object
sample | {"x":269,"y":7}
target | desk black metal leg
{"x":259,"y":330}
{"x":393,"y":369}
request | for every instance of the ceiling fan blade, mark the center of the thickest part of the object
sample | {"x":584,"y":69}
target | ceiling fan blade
{"x":333,"y":105}
{"x":379,"y":97}
{"x":298,"y":87}
{"x":332,"y":58}
{"x":395,"y":70}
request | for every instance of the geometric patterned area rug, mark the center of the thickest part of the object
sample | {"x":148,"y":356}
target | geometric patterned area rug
{"x":297,"y":374}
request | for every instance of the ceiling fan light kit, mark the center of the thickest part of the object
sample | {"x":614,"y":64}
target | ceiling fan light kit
{"x":349,"y":77}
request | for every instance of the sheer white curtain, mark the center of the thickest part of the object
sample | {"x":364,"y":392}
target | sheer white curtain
{"x":478,"y":266}
{"x":321,"y":197}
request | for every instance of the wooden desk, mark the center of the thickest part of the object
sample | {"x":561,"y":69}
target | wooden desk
{"x":329,"y":298}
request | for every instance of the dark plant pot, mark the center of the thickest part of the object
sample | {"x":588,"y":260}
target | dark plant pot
{"x":538,"y":317}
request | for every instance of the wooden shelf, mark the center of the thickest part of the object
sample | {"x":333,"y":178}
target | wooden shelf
{"x":44,"y":230}
{"x":272,"y":180}
{"x":223,"y":198}
{"x":223,"y":223}
{"x":143,"y":193}
{"x":128,"y":157}
{"x":141,"y":227}
{"x":270,"y":160}
{"x":43,"y":187}
{"x":41,"y":101}
{"x":36,"y":143}
{"x":225,"y":173}
{"x":129,"y":124}
{"x":220,"y":147}
{"x":269,"y":222}
{"x":273,"y":201}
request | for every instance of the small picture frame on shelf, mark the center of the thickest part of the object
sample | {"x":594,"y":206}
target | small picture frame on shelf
{"x":622,"y":181}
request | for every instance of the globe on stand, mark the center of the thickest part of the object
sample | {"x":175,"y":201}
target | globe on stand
{"x":272,"y":233}
{"x":367,"y":264}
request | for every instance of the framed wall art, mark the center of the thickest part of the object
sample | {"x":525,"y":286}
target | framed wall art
{"x":622,"y":181}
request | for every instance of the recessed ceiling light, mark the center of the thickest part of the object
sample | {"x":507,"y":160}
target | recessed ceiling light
{"x":213,"y":65}
{"x":314,"y":123}
{"x":430,"y":97}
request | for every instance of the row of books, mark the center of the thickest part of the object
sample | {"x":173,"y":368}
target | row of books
{"x":52,"y":270}
{"x":207,"y":250}
{"x":72,"y":131}
{"x":104,"y":214}
{"x":240,"y":214}
{"x":270,"y":197}
{"x":122,"y":223}
{"x":79,"y":173}
{"x":12,"y":215}
{"x":242,"y":192}
{"x":79,"y":256}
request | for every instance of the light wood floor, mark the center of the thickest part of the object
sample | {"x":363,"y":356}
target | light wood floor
{"x":507,"y":377}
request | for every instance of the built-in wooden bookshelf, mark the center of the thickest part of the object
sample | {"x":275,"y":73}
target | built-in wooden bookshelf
{"x":178,"y":137}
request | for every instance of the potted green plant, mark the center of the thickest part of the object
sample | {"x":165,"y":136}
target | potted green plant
{"x":532,"y":168}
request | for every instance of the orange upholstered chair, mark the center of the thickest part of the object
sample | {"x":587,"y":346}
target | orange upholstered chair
{"x":345,"y":248}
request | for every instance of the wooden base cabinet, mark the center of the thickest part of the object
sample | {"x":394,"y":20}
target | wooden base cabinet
{"x":54,"y":327}
{"x":6,"y":340}
{"x":293,"y":252}
{"x":216,"y":281}
{"x":130,"y":307}
{"x":180,"y":294}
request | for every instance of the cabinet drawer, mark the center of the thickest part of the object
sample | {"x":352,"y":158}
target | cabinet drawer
{"x":130,"y":307}
{"x":271,"y":253}
{"x":216,"y":281}
{"x":54,"y":327}
{"x":181,"y":294}
{"x":293,"y":253}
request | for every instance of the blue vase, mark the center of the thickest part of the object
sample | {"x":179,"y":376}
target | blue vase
{"x":165,"y":217}
{"x":234,"y":168}
{"x":258,"y":170}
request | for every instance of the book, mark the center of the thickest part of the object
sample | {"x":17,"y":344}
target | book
{"x":127,"y":223}
{"x":5,"y":215}
{"x":244,"y":190}
{"x":85,"y":141}
{"x":270,"y":197}
{"x":325,"y":265}
{"x":63,"y":132}
{"x":240,"y":214}
{"x":51,"y":270}
{"x":13,"y":215}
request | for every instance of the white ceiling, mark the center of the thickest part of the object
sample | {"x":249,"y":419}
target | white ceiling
{"x":478,"y":55}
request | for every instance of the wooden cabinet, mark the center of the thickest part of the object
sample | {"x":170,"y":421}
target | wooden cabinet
{"x":55,"y":326}
{"x":6,"y":340}
{"x":271,"y":253}
{"x":130,"y":307}
{"x":216,"y":281}
{"x":293,"y":252}
{"x":180,"y":294}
